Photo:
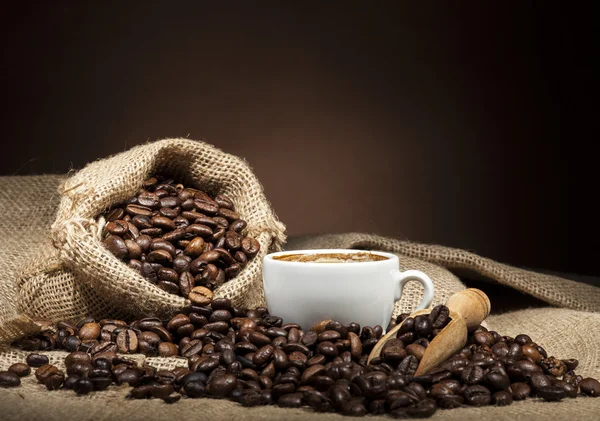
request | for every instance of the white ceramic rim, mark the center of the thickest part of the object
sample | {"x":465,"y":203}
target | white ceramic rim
{"x":270,"y":256}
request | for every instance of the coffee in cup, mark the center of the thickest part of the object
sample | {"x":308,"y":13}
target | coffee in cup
{"x":308,"y":286}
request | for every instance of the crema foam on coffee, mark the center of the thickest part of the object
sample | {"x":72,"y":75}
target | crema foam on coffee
{"x":331,"y":257}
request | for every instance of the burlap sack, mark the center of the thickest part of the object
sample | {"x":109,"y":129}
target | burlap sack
{"x":76,"y":276}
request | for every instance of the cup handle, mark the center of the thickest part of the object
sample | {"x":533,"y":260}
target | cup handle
{"x":415,"y":275}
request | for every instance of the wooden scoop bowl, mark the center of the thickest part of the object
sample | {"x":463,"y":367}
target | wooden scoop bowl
{"x":468,"y":309}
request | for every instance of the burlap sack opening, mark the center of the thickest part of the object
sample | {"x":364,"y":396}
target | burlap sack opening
{"x":76,"y":276}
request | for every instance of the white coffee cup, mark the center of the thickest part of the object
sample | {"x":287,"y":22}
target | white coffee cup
{"x":363,"y":292}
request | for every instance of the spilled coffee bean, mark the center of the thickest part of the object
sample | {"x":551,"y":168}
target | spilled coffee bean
{"x":251,"y":357}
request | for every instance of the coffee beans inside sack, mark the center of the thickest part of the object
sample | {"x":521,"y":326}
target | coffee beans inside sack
{"x":251,"y":357}
{"x":180,"y":238}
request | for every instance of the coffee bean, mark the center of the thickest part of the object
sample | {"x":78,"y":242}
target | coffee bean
{"x":497,"y":379}
{"x":250,"y":247}
{"x":532,"y":353}
{"x":167,"y":349}
{"x":36,"y":360}
{"x":554,"y":366}
{"x":193,"y":347}
{"x":162,"y":257}
{"x":539,"y":381}
{"x":20,"y":369}
{"x":54,"y":381}
{"x":590,"y":387}
{"x":83,"y":386}
{"x":484,"y":338}
{"x":195,"y":248}
{"x":127,"y":341}
{"x":416,"y":350}
{"x":326,"y":348}
{"x":291,"y":400}
{"x":520,"y":390}
{"x":477,"y":395}
{"x":116,"y":245}
{"x":70,"y":381}
{"x":115,"y":214}
{"x":9,"y":379}
{"x":101,"y":383}
{"x":523,"y":339}
{"x":502,"y":398}
{"x":222,"y":386}
{"x":200,"y":295}
{"x":422,"y":409}
{"x":45,"y":371}
{"x":551,"y":393}
{"x":89,"y":331}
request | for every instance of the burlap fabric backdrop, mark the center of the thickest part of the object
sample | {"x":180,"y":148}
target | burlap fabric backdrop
{"x":28,"y":206}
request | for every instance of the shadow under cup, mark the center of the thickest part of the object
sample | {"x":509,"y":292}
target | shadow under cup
{"x":308,"y":286}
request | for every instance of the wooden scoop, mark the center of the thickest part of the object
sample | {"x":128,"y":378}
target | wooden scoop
{"x":468,"y":309}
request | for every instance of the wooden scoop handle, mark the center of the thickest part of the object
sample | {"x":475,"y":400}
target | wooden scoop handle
{"x":472,"y":304}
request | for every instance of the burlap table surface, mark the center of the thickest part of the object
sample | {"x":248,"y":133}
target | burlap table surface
{"x":569,"y":329}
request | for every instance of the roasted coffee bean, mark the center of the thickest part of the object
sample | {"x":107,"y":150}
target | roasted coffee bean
{"x":36,"y":360}
{"x":127,"y":341}
{"x":114,"y":214}
{"x":101,"y":383}
{"x":502,"y":398}
{"x":79,"y":369}
{"x":554,"y":366}
{"x":484,"y":338}
{"x":416,"y":350}
{"x":472,"y":375}
{"x":222,"y":386}
{"x":20,"y":369}
{"x":45,"y":371}
{"x":570,"y":390}
{"x":250,"y":247}
{"x":167,"y":349}
{"x":116,"y":245}
{"x":200,"y":295}
{"x":129,"y":376}
{"x":539,"y":381}
{"x":70,"y":381}
{"x":590,"y":387}
{"x":496,"y":379}
{"x":439,"y":316}
{"x":54,"y":381}
{"x":531,"y":352}
{"x":523,"y":340}
{"x":162,"y":257}
{"x":477,"y":395}
{"x":9,"y":379}
{"x":422,"y":409}
{"x":551,"y":393}
{"x":520,"y":390}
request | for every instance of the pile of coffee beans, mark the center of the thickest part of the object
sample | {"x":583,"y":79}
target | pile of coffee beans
{"x":251,"y":357}
{"x":180,"y":238}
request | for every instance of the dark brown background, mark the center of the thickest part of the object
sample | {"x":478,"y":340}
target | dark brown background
{"x":460,"y":125}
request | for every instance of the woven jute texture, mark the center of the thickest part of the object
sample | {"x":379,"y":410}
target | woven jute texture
{"x":73,"y":275}
{"x":564,"y":333}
